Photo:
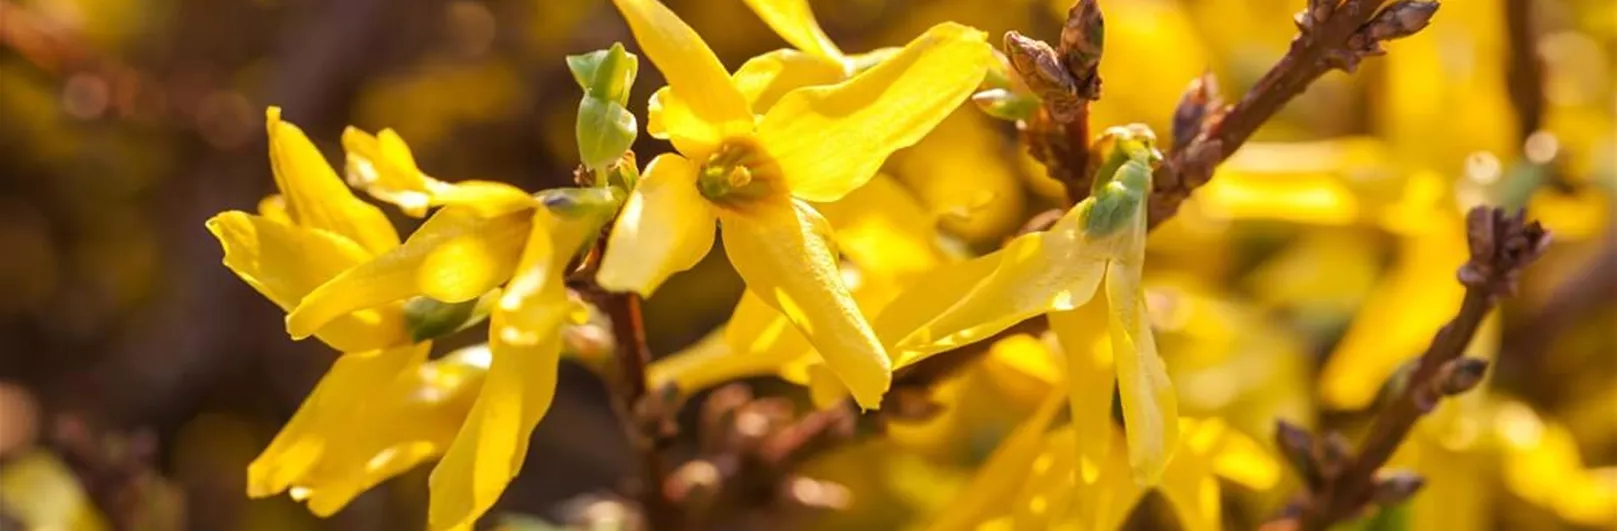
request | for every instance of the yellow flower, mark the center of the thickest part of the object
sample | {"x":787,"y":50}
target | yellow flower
{"x":458,"y":255}
{"x":752,"y":174}
{"x":313,"y":231}
{"x":336,"y":264}
{"x":372,"y":416}
{"x":1057,"y":273}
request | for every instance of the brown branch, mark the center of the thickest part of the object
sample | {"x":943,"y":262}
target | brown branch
{"x":645,"y":421}
{"x":1525,"y":69}
{"x":1341,"y":486}
{"x":1332,"y":36}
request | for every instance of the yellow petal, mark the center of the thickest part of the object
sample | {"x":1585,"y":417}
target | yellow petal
{"x":324,"y":426}
{"x":385,"y":168}
{"x":825,"y":388}
{"x":43,"y":492}
{"x":829,"y":140}
{"x":794,"y":21}
{"x":1035,"y":273}
{"x":491,"y":447}
{"x":1243,"y":460}
{"x":665,"y":227}
{"x":762,"y":338}
{"x":1150,"y":410}
{"x":781,"y":251}
{"x":315,"y":196}
{"x":764,"y":79}
{"x":456,"y":256}
{"x":706,"y":107}
{"x":1090,"y":379}
{"x":526,"y":347}
{"x":285,"y":263}
{"x":996,"y":483}
{"x":273,"y":206}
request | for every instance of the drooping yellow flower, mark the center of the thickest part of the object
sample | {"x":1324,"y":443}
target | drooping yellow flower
{"x":1056,"y":273}
{"x":313,"y":231}
{"x":336,"y":264}
{"x":753,"y":173}
{"x":458,"y":255}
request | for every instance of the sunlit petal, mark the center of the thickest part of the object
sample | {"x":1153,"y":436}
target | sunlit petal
{"x":1035,"y":273}
{"x":665,"y":227}
{"x":782,"y":251}
{"x":706,"y":107}
{"x":765,"y":78}
{"x":385,"y":168}
{"x":286,"y":262}
{"x":829,"y":140}
{"x":1090,"y":379}
{"x":315,"y":197}
{"x":794,"y":21}
{"x":457,"y":255}
{"x":1150,"y":409}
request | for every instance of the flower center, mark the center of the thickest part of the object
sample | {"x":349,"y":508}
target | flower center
{"x":732,"y":174}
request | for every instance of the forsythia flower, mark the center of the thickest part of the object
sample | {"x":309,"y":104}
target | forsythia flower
{"x":751,"y":174}
{"x":488,"y":235}
{"x":1057,"y":272}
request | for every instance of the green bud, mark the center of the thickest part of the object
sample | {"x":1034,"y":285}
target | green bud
{"x":1006,"y":105}
{"x":1116,"y":203}
{"x":427,"y":318}
{"x":605,"y":131}
{"x":605,"y":127}
{"x":605,"y":74}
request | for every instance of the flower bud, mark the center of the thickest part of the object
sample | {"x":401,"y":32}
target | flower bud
{"x":1400,"y":19}
{"x":1042,"y":70}
{"x":1461,"y":375}
{"x":1396,"y":487}
{"x":605,"y":127}
{"x":1006,"y":105}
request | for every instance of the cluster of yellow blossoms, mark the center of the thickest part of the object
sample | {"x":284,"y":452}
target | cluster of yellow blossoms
{"x":782,"y":157}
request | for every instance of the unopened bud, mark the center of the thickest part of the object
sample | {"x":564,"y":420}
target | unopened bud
{"x":1298,"y":446}
{"x":1041,"y":69}
{"x":1083,"y":38}
{"x":1334,"y":452}
{"x":1315,"y":13}
{"x":1400,"y":19}
{"x":1199,"y":102}
{"x":1396,"y":487}
{"x":1461,"y":375}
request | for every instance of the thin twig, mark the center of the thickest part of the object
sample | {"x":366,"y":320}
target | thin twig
{"x":1332,"y":36}
{"x":1341,"y":486}
{"x":1525,"y":71}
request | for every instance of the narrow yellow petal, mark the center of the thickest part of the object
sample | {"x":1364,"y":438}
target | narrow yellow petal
{"x":794,"y":21}
{"x":1035,"y":273}
{"x":825,"y":388}
{"x":1090,"y":379}
{"x":492,"y":445}
{"x":995,"y":485}
{"x":526,"y":346}
{"x":829,"y":140}
{"x":385,"y":168}
{"x":709,"y":108}
{"x":315,"y":196}
{"x":665,"y":227}
{"x":273,"y":206}
{"x":1150,"y":409}
{"x":456,"y":256}
{"x":285,"y":263}
{"x":782,"y":252}
{"x":1243,"y":460}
